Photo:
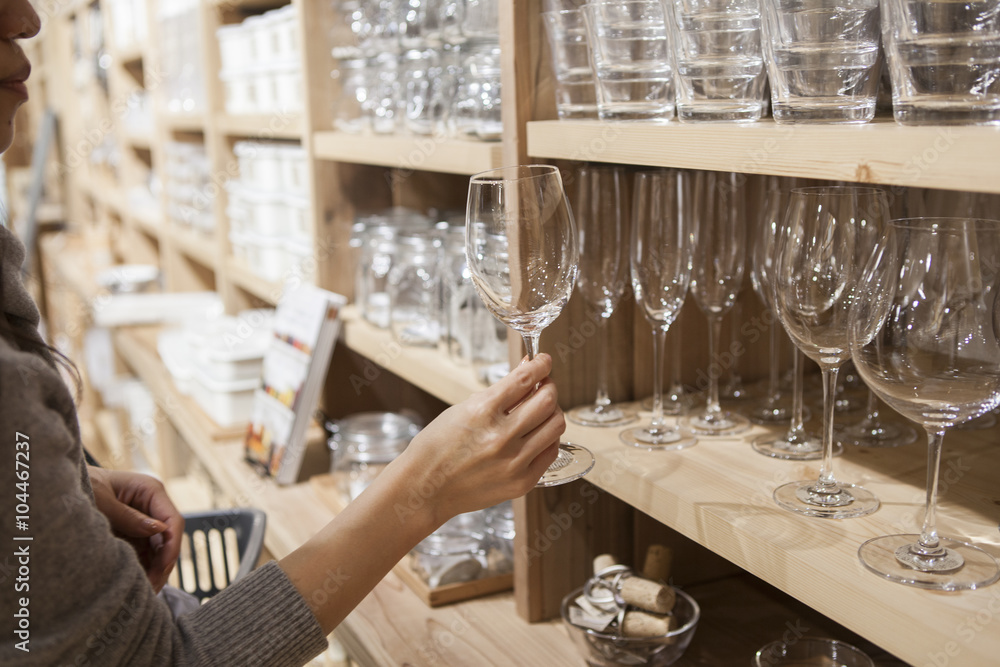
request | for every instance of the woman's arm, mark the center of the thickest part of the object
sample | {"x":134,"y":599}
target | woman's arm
{"x":490,"y":448}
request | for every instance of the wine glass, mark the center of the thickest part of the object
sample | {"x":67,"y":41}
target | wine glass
{"x":661,"y":246}
{"x":923,"y":338}
{"x":796,"y":443}
{"x":521,"y":248}
{"x":874,"y":431}
{"x":825,"y":238}
{"x":601,"y":207}
{"x":718,"y":203}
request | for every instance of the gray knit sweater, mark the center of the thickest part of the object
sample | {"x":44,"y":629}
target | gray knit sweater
{"x":85,"y":596}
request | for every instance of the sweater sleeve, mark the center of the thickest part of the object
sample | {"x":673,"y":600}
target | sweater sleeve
{"x":74,"y":594}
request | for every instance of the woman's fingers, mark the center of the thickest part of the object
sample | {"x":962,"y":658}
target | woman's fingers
{"x":535,"y":443}
{"x":521,"y":381}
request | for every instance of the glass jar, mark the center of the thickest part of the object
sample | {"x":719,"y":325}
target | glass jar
{"x":421,"y":68}
{"x":454,"y":552}
{"x":477,"y":100}
{"x":499,"y":538}
{"x":458,"y":296}
{"x":362,"y":445}
{"x":384,"y":105}
{"x":413,"y":291}
{"x":350,"y":112}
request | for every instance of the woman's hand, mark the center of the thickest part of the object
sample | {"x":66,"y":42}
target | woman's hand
{"x":491,"y":447}
{"x":141,"y":513}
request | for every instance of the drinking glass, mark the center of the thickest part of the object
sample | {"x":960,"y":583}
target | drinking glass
{"x":923,"y":338}
{"x":720,"y":67}
{"x":825,"y":238}
{"x":601,"y":208}
{"x":576,"y":93}
{"x":795,"y":444}
{"x":943,"y":61}
{"x":718,"y":204}
{"x":522,"y":251}
{"x":874,"y":431}
{"x":661,"y":247}
{"x":630,"y":47}
{"x":823,"y":59}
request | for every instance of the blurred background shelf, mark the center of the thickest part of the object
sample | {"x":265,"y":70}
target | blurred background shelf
{"x":408,"y":153}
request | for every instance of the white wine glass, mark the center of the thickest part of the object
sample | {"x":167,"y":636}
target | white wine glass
{"x":719,"y":206}
{"x":826,"y":236}
{"x":661,"y":247}
{"x":796,"y":443}
{"x":602,"y":211}
{"x":923,"y":338}
{"x":521,"y":248}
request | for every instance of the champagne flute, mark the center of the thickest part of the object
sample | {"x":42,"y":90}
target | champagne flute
{"x":795,"y":444}
{"x":521,"y":248}
{"x":825,"y":238}
{"x":661,"y":246}
{"x":923,"y":337}
{"x":601,"y":209}
{"x":719,"y":205}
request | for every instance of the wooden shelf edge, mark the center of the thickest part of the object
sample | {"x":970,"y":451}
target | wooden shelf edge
{"x":429,"y":369}
{"x":718,"y":493}
{"x":430,"y":153}
{"x":276,"y":125}
{"x":193,"y":245}
{"x":241,"y":276}
{"x":881,"y":152}
{"x":183,"y":122}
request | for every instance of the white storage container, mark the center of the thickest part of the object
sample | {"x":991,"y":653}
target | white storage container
{"x":288,"y":89}
{"x":300,"y":258}
{"x":267,"y":256}
{"x":266,"y":168}
{"x":297,"y":212}
{"x":294,"y":170}
{"x":232,"y":358}
{"x":239,"y":244}
{"x":177,"y":356}
{"x":234,"y":47}
{"x":227,"y":403}
{"x":255,"y":28}
{"x":286,"y":34}
{"x":268,"y":213}
{"x":240,"y":91}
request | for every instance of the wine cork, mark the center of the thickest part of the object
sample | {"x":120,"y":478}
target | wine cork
{"x":640,"y":624}
{"x":648,"y":595}
{"x":658,"y":561}
{"x":604,"y":561}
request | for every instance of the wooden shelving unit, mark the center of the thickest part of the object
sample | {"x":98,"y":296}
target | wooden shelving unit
{"x":430,"y":153}
{"x":879,"y":152}
{"x":712,"y":500}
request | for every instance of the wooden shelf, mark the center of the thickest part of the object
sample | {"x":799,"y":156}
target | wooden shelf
{"x":139,"y":140}
{"x":718,"y":493}
{"x":241,"y":275}
{"x":194,"y":244}
{"x":277,"y":125}
{"x":427,"y":368}
{"x":131,"y":55}
{"x":452,"y":156}
{"x":879,"y":152}
{"x":183,"y":122}
{"x":150,"y":222}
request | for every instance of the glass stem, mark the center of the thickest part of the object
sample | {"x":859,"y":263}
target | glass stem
{"x":659,"y":340}
{"x":603,"y":399}
{"x":797,"y":428}
{"x":929,"y":544}
{"x":872,"y":408}
{"x":773,"y":393}
{"x":530,"y":344}
{"x":712,"y":408}
{"x":826,"y":479}
{"x":676,"y":387}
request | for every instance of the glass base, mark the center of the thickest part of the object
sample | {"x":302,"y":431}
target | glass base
{"x":671,"y":406}
{"x":876,"y":434}
{"x":833,"y":110}
{"x":603,"y":415}
{"x":572,"y":463}
{"x":719,"y":424}
{"x":805,"y":448}
{"x":719,"y":111}
{"x":773,"y":412}
{"x":804,"y":498}
{"x":959,"y":112}
{"x":665,"y":439}
{"x":960,"y":566}
{"x":651,"y":113}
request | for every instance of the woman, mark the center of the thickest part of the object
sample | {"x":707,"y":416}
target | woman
{"x":75,"y":594}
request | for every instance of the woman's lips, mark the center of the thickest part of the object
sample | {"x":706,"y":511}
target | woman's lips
{"x":15,"y":82}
